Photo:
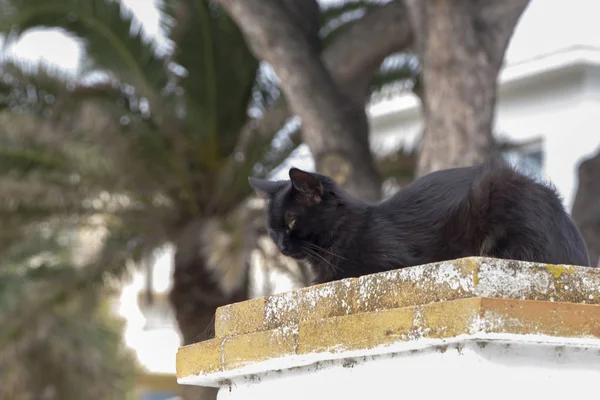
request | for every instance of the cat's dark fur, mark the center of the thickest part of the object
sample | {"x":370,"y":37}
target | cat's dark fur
{"x":487,"y":210}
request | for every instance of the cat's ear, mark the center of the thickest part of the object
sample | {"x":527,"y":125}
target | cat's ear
{"x":265,"y":189}
{"x":308,"y":185}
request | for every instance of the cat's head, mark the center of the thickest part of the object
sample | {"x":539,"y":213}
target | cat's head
{"x":302,"y":212}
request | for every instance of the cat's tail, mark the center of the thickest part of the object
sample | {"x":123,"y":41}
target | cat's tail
{"x":492,"y":191}
{"x":498,"y":186}
{"x":516,"y":217}
{"x":492,"y":182}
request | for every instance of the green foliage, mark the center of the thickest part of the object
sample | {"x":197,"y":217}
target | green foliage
{"x":219,"y":75}
{"x":112,"y":38}
{"x":140,"y":149}
{"x":71,"y":350}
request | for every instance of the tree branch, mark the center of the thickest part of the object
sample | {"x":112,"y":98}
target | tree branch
{"x":305,"y":15}
{"x":353,"y":56}
{"x":360,"y":50}
{"x":499,"y":20}
{"x":273,"y":37}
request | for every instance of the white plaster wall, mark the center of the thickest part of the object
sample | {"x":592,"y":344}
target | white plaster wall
{"x":562,"y":111}
{"x":483,"y":370}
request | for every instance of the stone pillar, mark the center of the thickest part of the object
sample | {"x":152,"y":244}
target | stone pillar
{"x":473,"y":328}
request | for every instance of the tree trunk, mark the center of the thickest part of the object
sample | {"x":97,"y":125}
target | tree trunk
{"x":196,"y":294}
{"x":586,"y":206}
{"x":461,"y":45}
{"x":305,"y":15}
{"x":334,"y":125}
{"x":350,"y":59}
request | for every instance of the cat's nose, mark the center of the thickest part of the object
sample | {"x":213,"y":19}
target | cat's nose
{"x":282,"y":243}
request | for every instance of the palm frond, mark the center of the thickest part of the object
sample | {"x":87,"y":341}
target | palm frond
{"x":88,"y":121}
{"x":43,"y":164}
{"x":113,"y":39}
{"x":73,"y":352}
{"x":63,"y":177}
{"x":118,"y":249}
{"x":255,"y":154}
{"x":30,"y":89}
{"x":219,"y":73}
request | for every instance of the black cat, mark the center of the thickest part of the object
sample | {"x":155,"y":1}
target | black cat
{"x":486,"y":210}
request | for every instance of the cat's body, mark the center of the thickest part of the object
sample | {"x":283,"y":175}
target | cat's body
{"x":488,"y":210}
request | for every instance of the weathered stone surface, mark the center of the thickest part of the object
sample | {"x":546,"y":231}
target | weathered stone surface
{"x":470,"y":299}
{"x":448,"y":280}
{"x":247,"y":316}
{"x":372,"y":330}
{"x":357,"y":331}
{"x":530,"y":317}
{"x":259,"y":346}
{"x":203,"y":358}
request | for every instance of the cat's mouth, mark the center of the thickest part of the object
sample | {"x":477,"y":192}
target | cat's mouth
{"x":297,"y":255}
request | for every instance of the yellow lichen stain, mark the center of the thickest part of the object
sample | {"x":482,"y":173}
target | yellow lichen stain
{"x":558,"y":270}
{"x":470,"y":265}
{"x":476,"y":276}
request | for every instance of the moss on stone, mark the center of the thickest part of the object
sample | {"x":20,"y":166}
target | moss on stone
{"x":558,"y":270}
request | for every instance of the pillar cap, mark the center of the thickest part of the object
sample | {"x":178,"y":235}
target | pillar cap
{"x":430,"y":305}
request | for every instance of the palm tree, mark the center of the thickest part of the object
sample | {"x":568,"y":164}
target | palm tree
{"x":144,"y":147}
{"x":156,"y":150}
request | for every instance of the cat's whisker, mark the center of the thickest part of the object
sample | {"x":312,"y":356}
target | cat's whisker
{"x":313,"y":259}
{"x":329,"y":263}
{"x":318,"y":248}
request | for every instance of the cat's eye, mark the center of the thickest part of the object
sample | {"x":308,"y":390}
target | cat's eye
{"x":291,"y":224}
